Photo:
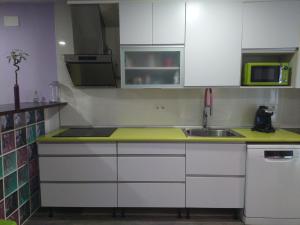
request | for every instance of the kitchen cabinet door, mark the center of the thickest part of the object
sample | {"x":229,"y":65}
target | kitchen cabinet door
{"x":168,"y":22}
{"x":135,"y":22}
{"x":213,"y":43}
{"x":152,"y":67}
{"x":79,"y":194}
{"x":215,"y":159}
{"x":272,"y":24}
{"x":215,"y":192}
{"x":164,"y":195}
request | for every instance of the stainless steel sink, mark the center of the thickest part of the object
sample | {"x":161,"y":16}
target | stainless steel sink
{"x":202,"y":132}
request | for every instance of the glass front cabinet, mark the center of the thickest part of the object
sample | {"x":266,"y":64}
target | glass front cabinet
{"x":152,"y":67}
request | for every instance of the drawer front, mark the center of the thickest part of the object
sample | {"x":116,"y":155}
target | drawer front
{"x":78,"y":168}
{"x":78,"y":149}
{"x":151,"y":148}
{"x":151,"y":168}
{"x":215,"y":159}
{"x":168,"y":195}
{"x":79,"y":195}
{"x":215,"y":192}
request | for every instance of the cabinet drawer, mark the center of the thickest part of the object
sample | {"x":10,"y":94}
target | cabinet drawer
{"x":215,"y":192}
{"x":215,"y":159}
{"x":167,"y":195}
{"x":78,"y":168}
{"x":151,"y":168}
{"x":77,"y":149}
{"x":151,"y":148}
{"x":79,"y":195}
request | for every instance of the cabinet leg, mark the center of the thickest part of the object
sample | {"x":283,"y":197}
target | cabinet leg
{"x":50,"y":213}
{"x":188,"y":214}
{"x":236,"y":214}
{"x":114,"y":213}
{"x":179,"y":215}
{"x":123,"y":213}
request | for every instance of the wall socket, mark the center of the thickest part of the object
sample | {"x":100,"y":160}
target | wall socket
{"x":11,"y":21}
{"x":160,"y":107}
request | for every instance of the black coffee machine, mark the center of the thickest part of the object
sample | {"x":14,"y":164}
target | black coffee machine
{"x":263,"y":122}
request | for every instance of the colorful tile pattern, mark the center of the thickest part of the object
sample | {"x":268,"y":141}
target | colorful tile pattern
{"x":23,"y":175}
{"x":40,"y":129}
{"x":24,"y":194}
{"x":1,"y":191}
{"x":11,"y":204}
{"x":2,"y":214}
{"x":24,"y":212}
{"x":21,"y":137}
{"x":10,"y":183}
{"x":7,"y":122}
{"x":15,"y":217}
{"x":30,"y":117}
{"x":8,"y":142}
{"x":9,"y":163}
{"x":31,"y":134}
{"x":19,"y":176}
{"x":22,"y":155}
{"x":40,"y":116}
{"x":19,"y":120}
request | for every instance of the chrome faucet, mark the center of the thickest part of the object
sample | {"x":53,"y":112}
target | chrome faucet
{"x":208,"y":100}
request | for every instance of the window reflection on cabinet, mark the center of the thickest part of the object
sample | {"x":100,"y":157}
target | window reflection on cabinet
{"x":152,"y":67}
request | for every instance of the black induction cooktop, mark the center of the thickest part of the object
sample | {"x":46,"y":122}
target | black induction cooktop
{"x":87,"y":132}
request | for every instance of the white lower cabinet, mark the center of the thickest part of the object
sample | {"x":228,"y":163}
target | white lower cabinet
{"x":163,"y":175}
{"x":164,"y":195}
{"x":215,"y":192}
{"x":215,"y":175}
{"x":78,"y":175}
{"x":151,"y":175}
{"x":79,"y":194}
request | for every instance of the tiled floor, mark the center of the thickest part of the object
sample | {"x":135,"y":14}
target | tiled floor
{"x":87,"y":218}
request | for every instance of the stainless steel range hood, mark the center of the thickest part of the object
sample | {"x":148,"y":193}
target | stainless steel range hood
{"x":92,"y":64}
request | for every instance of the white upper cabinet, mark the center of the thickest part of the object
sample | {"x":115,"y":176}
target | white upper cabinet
{"x":271,"y":24}
{"x":135,"y":22}
{"x":213,"y":43}
{"x":152,"y":22}
{"x":168,"y":22}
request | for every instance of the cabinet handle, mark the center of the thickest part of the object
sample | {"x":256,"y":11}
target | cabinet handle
{"x":279,"y":154}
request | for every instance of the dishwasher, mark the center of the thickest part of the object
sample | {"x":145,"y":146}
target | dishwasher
{"x":272,"y":185}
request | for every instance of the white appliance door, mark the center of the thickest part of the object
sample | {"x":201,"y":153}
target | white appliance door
{"x":273,"y":182}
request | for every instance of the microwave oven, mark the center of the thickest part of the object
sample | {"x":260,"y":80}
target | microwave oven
{"x":266,"y":74}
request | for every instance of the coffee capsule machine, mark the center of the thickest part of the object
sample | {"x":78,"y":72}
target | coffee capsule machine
{"x":263,"y":121}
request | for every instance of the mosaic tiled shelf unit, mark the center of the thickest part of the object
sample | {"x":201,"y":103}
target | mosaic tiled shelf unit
{"x":19,"y":175}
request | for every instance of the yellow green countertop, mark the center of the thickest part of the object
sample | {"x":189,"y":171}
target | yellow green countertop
{"x":174,"y":135}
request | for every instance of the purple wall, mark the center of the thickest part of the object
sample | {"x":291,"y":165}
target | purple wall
{"x":36,"y":36}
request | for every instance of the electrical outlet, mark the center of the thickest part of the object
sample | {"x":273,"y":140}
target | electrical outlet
{"x":160,"y":107}
{"x":11,"y":21}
